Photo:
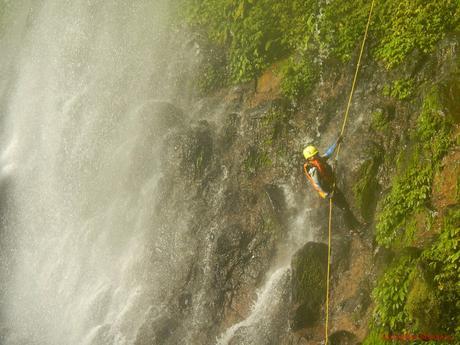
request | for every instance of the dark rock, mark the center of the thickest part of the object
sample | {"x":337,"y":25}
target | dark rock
{"x":340,"y":255}
{"x":233,"y":237}
{"x":277,"y":200}
{"x":343,"y":338}
{"x":382,"y":258}
{"x":229,"y":132}
{"x":198,"y":149}
{"x":309,"y":269}
{"x":358,"y":304}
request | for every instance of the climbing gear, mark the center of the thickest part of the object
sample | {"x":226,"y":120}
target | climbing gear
{"x":310,"y":151}
{"x":325,"y":171}
{"x":336,"y":156}
{"x":313,"y":183}
{"x":326,"y":174}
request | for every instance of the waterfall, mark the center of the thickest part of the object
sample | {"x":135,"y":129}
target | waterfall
{"x":89,"y":94}
{"x":121,"y":223}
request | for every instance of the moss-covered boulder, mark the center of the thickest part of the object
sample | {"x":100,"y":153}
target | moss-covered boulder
{"x":423,"y":307}
{"x":309,"y":269}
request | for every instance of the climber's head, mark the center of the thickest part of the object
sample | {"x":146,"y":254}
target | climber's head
{"x":310,"y":152}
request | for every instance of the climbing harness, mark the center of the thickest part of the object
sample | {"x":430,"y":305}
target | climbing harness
{"x":325,"y":171}
{"x":336,"y":157}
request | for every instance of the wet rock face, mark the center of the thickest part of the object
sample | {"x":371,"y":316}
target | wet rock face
{"x":232,"y":221}
{"x":309,"y":269}
{"x":343,"y":338}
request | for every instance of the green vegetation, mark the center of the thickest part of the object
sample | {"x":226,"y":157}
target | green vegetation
{"x":405,"y":25}
{"x":422,"y":307}
{"x":390,"y":296}
{"x":298,"y":77}
{"x":380,"y":120}
{"x":375,"y":338}
{"x":343,"y":26}
{"x":443,"y":261}
{"x":251,"y":35}
{"x":433,"y":128}
{"x":411,"y":186}
{"x":418,"y":294}
{"x":400,"y":89}
{"x":422,"y":294}
{"x":409,"y":193}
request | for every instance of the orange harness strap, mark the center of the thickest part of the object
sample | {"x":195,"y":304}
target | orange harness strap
{"x":313,"y":183}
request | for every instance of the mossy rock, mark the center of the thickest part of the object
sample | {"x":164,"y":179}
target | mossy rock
{"x":423,"y":307}
{"x":309,"y":270}
{"x":366,"y":188}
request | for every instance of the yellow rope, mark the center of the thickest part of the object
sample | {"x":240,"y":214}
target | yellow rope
{"x":336,"y":156}
{"x":328,"y":267}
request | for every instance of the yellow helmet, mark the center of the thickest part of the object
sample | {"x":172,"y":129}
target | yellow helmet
{"x":310,"y":151}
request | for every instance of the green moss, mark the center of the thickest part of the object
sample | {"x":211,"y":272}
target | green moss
{"x":309,"y":267}
{"x":423,"y":307}
{"x":298,"y":77}
{"x":457,"y":189}
{"x":275,"y":132}
{"x":380,"y":120}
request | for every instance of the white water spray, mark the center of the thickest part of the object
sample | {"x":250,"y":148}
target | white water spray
{"x":83,"y":87}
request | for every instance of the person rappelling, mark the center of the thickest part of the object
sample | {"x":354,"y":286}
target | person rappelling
{"x":322,"y":177}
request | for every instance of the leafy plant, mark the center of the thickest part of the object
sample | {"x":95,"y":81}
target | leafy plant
{"x":410,"y":192}
{"x":390,"y":296}
{"x":433,"y":128}
{"x":342,"y":25}
{"x":298,"y":77}
{"x":423,"y":308}
{"x":405,"y":25}
{"x":411,"y":187}
{"x":401,"y":89}
{"x":443,"y":259}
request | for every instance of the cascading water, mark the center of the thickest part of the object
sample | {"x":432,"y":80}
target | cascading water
{"x":268,"y":319}
{"x":86,"y":257}
{"x":111,"y":231}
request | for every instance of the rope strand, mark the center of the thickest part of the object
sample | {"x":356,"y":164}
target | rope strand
{"x":336,"y":157}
